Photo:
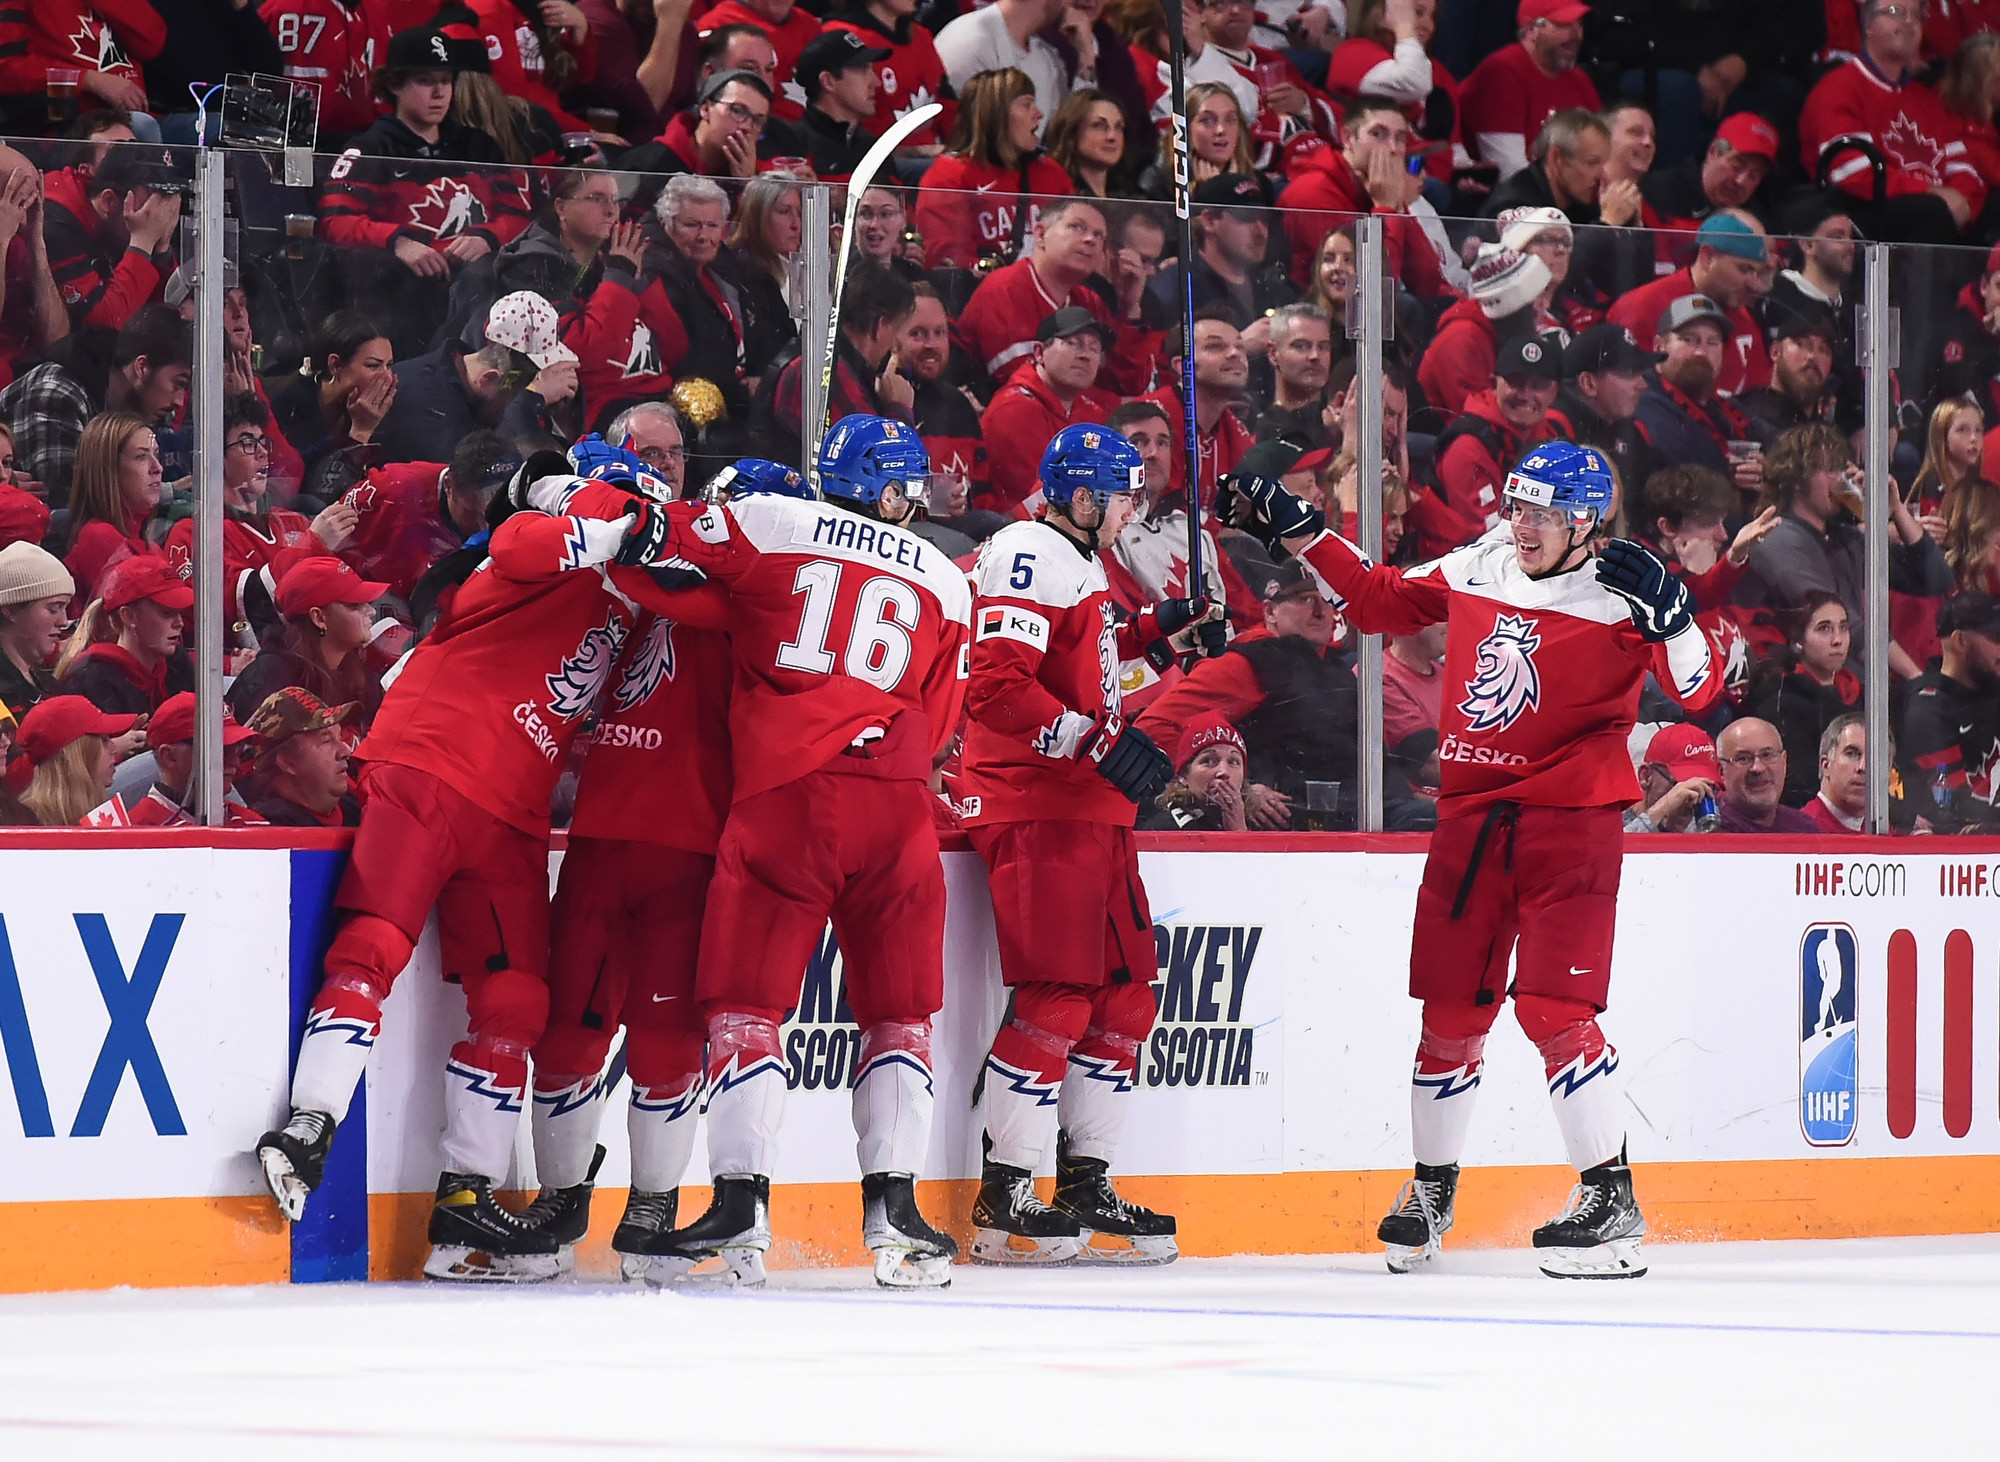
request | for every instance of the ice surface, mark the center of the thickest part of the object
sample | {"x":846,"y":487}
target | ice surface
{"x":1860,"y":1348}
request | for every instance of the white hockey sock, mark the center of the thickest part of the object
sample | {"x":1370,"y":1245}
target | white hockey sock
{"x":332,"y":1059}
{"x":1096,"y":1096}
{"x":482,"y":1113}
{"x":1020,"y":1118}
{"x":893,"y":1098}
{"x":1440,"y":1111}
{"x":1585,"y":1094}
{"x":565,"y":1124}
{"x":661,"y":1124}
{"x":745,"y":1110}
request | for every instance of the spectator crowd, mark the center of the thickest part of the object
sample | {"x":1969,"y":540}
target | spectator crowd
{"x":1639,"y":227}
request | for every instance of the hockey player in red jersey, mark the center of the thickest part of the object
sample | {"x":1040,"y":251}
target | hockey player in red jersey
{"x":849,"y":637}
{"x":459,"y":766}
{"x":1052,"y":780}
{"x":1546,"y":656}
{"x":625,"y":928}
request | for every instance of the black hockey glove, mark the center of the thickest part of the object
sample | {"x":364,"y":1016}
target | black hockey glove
{"x":1192,"y":626}
{"x":646,"y":540}
{"x":1269,"y":510}
{"x":1661,"y":605}
{"x":1127,"y":758}
{"x":539,"y":465}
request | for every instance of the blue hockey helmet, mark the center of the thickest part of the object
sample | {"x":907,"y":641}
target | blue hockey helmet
{"x":862,"y":455}
{"x":592,"y":456}
{"x":1089,"y":458}
{"x":749,"y":476}
{"x":1566,"y":476}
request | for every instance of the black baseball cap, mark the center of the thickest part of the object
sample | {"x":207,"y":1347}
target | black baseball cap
{"x":1969,"y":609}
{"x":834,"y":50}
{"x":1530,"y":355}
{"x":132,"y":165}
{"x":1280,"y":456}
{"x":1796,"y":324}
{"x":1289,"y":580}
{"x":1073,"y":320}
{"x":451,"y":42}
{"x":1606,"y":347}
{"x":1231,"y":190}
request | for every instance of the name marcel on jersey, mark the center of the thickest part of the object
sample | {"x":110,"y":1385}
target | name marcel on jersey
{"x":844,"y":530}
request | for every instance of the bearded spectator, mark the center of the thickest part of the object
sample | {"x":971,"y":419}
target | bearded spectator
{"x":1506,"y":303}
{"x":1802,"y":388}
{"x":1826,"y":248}
{"x":1679,"y":775}
{"x":170,"y":738}
{"x":1515,"y":90}
{"x":1050,"y":390}
{"x":1729,"y":261}
{"x":1206,"y":794}
{"x":1498,"y":427}
{"x":64,"y":759}
{"x":1950,"y":742}
{"x":300,"y":776}
{"x":1682,"y":416}
{"x":1604,"y":376}
{"x":144,"y":368}
{"x":1301,"y":355}
{"x":1803,"y":689}
{"x":35,"y":591}
{"x":125,"y":654}
{"x":110,"y":235}
{"x":1753,"y":781}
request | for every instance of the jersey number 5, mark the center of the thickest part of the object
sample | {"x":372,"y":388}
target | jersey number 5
{"x":878,"y":646}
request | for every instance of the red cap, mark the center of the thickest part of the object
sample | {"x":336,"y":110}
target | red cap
{"x":1993,"y":260}
{"x":1313,"y":461}
{"x":53,"y":724}
{"x":1203,"y":733}
{"x":314,"y":583}
{"x":1555,"y":12}
{"x":1685,"y":751}
{"x":174,"y":721}
{"x":1748,"y":132}
{"x":144,"y":577}
{"x":24,"y":518}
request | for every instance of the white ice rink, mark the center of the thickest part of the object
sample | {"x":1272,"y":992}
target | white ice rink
{"x":1879,"y":1349}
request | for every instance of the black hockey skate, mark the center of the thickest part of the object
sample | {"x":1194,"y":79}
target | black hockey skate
{"x":1011,"y":1224}
{"x":475,"y":1240}
{"x":1416,"y":1226}
{"x":909,"y":1253}
{"x":564,"y":1214}
{"x":1084,"y":1192}
{"x":294,"y":1159}
{"x":1597,"y":1234}
{"x":647,"y":1216}
{"x":735,"y":1231}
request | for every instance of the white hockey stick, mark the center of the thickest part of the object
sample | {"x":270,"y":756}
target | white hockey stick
{"x":857,"y":184}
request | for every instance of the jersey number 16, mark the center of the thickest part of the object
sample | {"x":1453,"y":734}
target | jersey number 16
{"x":878,"y":645}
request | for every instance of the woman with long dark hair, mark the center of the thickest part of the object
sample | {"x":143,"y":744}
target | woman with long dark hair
{"x":345,"y":386}
{"x":1087,"y":139}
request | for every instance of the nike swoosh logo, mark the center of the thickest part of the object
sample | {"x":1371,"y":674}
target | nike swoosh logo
{"x":984,"y":188}
{"x":1965,"y":730}
{"x":1572,"y":969}
{"x":663,"y":999}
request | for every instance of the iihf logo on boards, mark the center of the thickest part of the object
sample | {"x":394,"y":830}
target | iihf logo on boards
{"x":1829,"y":1075}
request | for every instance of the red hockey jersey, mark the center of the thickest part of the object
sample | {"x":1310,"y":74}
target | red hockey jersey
{"x":1746,"y":360}
{"x":1045,"y":640}
{"x":844,"y":630}
{"x":250,"y":543}
{"x":490,"y":703}
{"x":392,"y":185}
{"x":787,"y":40}
{"x":1019,"y":421}
{"x":336,"y":45}
{"x":657,"y":770}
{"x":403,"y":529}
{"x":912,"y":77}
{"x":519,"y":69}
{"x":1922,"y":144}
{"x":1542,"y":676}
{"x":998,"y":325}
{"x":89,"y":35}
{"x":966,"y":208}
{"x":624,"y":341}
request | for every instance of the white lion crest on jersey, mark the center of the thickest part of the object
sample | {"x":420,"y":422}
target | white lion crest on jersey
{"x":651,"y":663}
{"x":574,"y":687}
{"x":1504,"y":680}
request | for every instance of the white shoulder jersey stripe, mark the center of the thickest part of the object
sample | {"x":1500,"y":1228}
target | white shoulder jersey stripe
{"x":1034,"y":562}
{"x":778,"y":524}
{"x":1490,"y":568}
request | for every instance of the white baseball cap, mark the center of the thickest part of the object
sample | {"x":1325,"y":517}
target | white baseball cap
{"x":526,"y":322}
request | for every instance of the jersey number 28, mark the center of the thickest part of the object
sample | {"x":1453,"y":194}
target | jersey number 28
{"x":878,"y":646}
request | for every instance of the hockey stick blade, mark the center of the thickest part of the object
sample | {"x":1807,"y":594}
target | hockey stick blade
{"x":858,"y":182}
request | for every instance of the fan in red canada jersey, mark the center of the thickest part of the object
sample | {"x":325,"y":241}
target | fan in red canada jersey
{"x":1545,"y":657}
{"x":849,"y":634}
{"x":1052,"y":780}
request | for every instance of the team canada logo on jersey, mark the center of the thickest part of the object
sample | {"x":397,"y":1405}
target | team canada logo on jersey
{"x":653,"y":662}
{"x":1504,"y":681}
{"x":643,"y":359}
{"x":448,"y":208}
{"x":921,"y":97}
{"x":97,"y":48}
{"x":1906,"y":147}
{"x":573,"y":689}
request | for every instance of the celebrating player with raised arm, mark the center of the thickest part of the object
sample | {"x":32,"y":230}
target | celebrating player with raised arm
{"x":848,"y":634}
{"x":1053,"y":778}
{"x":457,"y":773}
{"x":1546,"y":655}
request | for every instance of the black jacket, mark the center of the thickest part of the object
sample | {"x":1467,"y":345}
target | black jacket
{"x":1622,"y":441}
{"x":834,"y":149}
{"x":433,"y":410}
{"x":712,"y":353}
{"x":1604,"y":263}
{"x":1949,"y":751}
{"x":1304,"y":728}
